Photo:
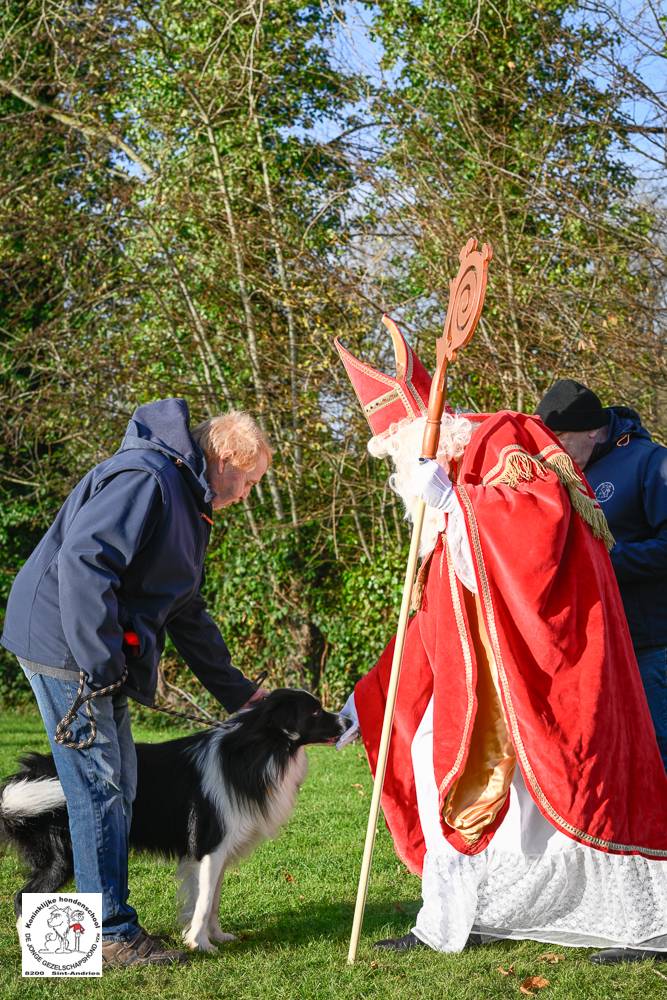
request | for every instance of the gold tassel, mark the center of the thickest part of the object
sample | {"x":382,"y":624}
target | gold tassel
{"x":417,"y":595}
{"x":518,"y":467}
{"x":419,"y":585}
{"x":563,"y":466}
{"x":586,"y":507}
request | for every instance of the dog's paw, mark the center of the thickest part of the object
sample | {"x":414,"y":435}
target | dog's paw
{"x":198,"y":941}
{"x":222,"y":937}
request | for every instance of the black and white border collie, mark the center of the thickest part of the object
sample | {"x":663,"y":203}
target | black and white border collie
{"x":206,"y":799}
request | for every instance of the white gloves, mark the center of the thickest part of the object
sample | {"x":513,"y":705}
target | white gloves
{"x":349,"y":711}
{"x":432,"y":483}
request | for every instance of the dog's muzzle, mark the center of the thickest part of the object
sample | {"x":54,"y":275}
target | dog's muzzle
{"x":349,"y":731}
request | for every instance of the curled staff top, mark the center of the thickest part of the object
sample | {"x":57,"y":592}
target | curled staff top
{"x":466,"y":299}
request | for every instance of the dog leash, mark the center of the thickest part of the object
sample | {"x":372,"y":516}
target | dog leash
{"x":63,"y":734}
{"x":202,"y":720}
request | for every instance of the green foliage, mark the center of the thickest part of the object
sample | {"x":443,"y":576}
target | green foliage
{"x":323,"y":634}
{"x":18,"y":536}
{"x":499,"y":125}
{"x":358,"y":618}
{"x":174,"y":223}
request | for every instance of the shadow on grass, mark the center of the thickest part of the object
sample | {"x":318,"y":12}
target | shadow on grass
{"x":330,"y":921}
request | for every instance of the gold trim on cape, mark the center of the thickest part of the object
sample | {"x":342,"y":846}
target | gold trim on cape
{"x":529,"y":774}
{"x":515,"y":465}
{"x":467,"y":659}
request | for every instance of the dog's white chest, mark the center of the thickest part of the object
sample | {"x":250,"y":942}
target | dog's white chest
{"x":282,"y":796}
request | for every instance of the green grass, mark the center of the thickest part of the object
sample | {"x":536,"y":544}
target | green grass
{"x":291,"y":906}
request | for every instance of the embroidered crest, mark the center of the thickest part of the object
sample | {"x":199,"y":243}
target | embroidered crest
{"x":604,"y":492}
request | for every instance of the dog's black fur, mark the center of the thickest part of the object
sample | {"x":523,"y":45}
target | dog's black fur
{"x":206,"y":799}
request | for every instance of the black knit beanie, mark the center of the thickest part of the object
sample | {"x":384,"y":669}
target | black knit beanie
{"x":570,"y":406}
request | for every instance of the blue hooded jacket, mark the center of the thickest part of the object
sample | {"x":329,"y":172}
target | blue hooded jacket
{"x":126,"y":552}
{"x":628,"y":472}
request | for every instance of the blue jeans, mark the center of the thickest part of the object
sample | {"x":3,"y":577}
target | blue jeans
{"x":653,"y":670}
{"x":99,"y":784}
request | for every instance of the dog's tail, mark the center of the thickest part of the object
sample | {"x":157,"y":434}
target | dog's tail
{"x":5,"y":835}
{"x":33,"y":790}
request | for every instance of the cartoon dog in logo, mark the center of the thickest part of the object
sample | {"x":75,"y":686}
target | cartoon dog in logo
{"x":56,"y":941}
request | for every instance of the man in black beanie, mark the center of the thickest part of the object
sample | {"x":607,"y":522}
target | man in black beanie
{"x":628,"y":472}
{"x":577,"y":418}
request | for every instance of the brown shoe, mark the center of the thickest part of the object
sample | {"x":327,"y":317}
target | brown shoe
{"x":141,"y":950}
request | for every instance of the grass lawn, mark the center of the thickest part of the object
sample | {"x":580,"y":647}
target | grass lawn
{"x":291,"y":906}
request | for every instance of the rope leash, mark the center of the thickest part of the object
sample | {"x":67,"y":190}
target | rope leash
{"x":201,"y":719}
{"x":63,"y":735}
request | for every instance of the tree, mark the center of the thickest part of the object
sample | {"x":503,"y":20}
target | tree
{"x":498,"y":126}
{"x":181,"y":166}
{"x":198,"y":196}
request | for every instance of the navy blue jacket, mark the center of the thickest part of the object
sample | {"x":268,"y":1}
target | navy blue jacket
{"x":629,"y":475}
{"x":126,"y":552}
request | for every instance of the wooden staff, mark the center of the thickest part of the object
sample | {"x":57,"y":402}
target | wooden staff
{"x":466,"y":299}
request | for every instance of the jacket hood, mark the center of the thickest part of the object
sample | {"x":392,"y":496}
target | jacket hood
{"x":164,"y":426}
{"x":622,"y":420}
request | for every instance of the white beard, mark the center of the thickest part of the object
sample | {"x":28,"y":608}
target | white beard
{"x":403,"y":445}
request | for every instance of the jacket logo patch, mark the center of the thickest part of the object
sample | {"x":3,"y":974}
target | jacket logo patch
{"x":604,"y":492}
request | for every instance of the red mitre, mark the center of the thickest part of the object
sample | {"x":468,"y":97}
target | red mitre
{"x":386,"y":400}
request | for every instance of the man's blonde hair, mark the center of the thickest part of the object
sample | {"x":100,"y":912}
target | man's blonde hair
{"x":235,"y":434}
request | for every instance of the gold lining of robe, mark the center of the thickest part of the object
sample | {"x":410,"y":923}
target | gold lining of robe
{"x":477,"y":796}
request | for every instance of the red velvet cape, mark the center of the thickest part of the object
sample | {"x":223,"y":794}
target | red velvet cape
{"x":572,"y":695}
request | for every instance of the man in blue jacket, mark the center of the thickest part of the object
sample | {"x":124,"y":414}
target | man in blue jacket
{"x":125,"y":555}
{"x":628,"y":472}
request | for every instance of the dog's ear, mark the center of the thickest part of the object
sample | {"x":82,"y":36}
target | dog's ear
{"x":286,"y":712}
{"x":287,"y":718}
